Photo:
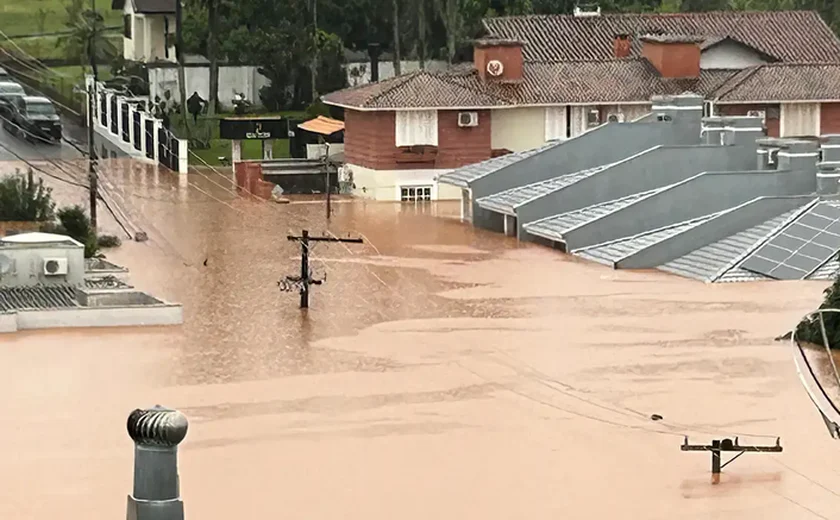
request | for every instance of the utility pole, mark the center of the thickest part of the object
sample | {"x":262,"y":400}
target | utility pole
{"x":724,"y":445}
{"x":303,"y":281}
{"x":92,"y":177}
{"x":328,"y":182}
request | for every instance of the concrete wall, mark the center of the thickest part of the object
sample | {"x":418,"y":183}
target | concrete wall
{"x":729,"y":55}
{"x":8,"y":322}
{"x":743,"y":217}
{"x":358,"y":73}
{"x":696,"y":197}
{"x":28,"y":267}
{"x":604,"y":144}
{"x":517,"y":129}
{"x":385,"y":185}
{"x":99,"y":317}
{"x":655,"y":168}
{"x":244,"y":79}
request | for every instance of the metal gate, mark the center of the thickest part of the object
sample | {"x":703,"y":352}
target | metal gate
{"x":138,"y":131}
{"x":149,"y":135}
{"x":166,"y":155}
{"x":125,"y":122}
{"x":114,"y":128}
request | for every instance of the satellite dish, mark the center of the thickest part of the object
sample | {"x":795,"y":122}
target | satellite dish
{"x":6,"y":264}
{"x":816,"y":364}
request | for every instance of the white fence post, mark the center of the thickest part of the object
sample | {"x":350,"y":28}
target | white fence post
{"x":155,"y":133}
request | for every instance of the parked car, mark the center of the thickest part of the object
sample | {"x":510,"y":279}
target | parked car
{"x":34,"y":118}
{"x":9,"y":91}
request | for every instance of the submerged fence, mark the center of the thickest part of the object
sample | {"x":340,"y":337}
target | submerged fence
{"x":128,"y":124}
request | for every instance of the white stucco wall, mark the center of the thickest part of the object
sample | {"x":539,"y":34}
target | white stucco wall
{"x":8,"y":322}
{"x":385,"y":185}
{"x":244,"y":79}
{"x":99,"y":317}
{"x":517,"y":129}
{"x":136,"y":33}
{"x":729,"y":55}
{"x":386,"y":70}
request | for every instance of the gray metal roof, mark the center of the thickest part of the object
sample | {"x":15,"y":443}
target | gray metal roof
{"x":553,"y":228}
{"x":462,"y":177}
{"x":717,"y":260}
{"x":507,"y":201}
{"x":39,"y":297}
{"x":611,"y":252}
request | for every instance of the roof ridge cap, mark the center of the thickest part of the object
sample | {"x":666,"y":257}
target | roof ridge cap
{"x":396,"y":82}
{"x":747,"y":74}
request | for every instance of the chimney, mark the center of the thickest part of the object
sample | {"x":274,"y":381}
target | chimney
{"x":673,"y":56}
{"x":373,"y":52}
{"x":621,"y":45}
{"x":498,"y":59}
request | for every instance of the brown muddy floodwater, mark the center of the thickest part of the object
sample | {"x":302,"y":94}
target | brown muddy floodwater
{"x":442,"y":372}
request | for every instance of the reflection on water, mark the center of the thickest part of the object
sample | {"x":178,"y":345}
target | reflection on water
{"x":441,"y":372}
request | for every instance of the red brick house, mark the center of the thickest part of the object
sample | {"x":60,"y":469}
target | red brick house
{"x":540,"y":78}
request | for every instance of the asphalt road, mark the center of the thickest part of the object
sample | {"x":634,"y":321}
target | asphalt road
{"x":40,"y":150}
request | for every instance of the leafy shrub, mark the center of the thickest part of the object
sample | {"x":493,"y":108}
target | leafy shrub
{"x":76,"y":224}
{"x":318,"y":108}
{"x":809,"y":330}
{"x":108,"y":241}
{"x":24,"y":200}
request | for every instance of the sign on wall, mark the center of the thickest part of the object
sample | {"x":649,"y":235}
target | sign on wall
{"x":253,"y":128}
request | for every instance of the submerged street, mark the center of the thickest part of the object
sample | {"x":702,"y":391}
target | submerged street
{"x":441,"y":372}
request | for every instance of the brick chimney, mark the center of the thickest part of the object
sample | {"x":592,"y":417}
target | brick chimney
{"x":498,"y":59}
{"x":674,"y":56}
{"x":621,"y":45}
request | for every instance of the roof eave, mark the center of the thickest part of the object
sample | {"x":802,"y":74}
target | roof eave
{"x":718,"y":101}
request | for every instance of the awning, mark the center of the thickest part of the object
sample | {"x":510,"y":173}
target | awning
{"x":322,"y":125}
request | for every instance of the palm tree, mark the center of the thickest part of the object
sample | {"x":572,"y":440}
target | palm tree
{"x":86,"y":32}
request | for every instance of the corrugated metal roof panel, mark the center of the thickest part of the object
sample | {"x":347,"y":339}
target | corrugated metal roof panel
{"x":40,"y":297}
{"x":554,"y":227}
{"x":462,"y":177}
{"x":705,"y":263}
{"x":507,"y":201}
{"x":612,"y":252}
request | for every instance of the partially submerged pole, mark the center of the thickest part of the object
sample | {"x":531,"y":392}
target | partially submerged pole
{"x":156,"y":433}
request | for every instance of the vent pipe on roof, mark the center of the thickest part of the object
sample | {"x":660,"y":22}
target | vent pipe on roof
{"x":373,"y":53}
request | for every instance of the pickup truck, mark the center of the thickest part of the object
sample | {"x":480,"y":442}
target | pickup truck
{"x":35,"y":119}
{"x":9,"y":91}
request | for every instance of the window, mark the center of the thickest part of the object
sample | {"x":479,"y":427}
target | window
{"x":127,"y":26}
{"x":416,"y":127}
{"x":593,"y":117}
{"x":415,"y":193}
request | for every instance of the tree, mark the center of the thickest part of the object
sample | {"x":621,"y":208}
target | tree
{"x":24,"y":200}
{"x":397,"y":60}
{"x":74,"y":222}
{"x":809,"y":330}
{"x":212,"y":53}
{"x":86,"y":32}
{"x":421,"y":33}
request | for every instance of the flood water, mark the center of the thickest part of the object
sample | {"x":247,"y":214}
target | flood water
{"x":441,"y":372}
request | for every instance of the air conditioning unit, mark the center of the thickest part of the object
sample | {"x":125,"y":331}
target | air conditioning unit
{"x":55,"y":266}
{"x":467,"y":119}
{"x":615,"y":118}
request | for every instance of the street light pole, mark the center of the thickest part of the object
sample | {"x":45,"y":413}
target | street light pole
{"x":92,"y":177}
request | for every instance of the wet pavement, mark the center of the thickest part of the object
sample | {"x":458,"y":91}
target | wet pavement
{"x":441,"y":372}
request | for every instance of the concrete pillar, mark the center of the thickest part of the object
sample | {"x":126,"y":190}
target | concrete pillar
{"x":235,"y":151}
{"x":510,"y":226}
{"x":183,"y":156}
{"x":742,"y":130}
{"x":143,"y":133}
{"x":156,"y":433}
{"x":119,"y":116}
{"x":156,"y":132}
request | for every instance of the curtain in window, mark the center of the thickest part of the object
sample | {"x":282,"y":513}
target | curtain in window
{"x":416,"y":127}
{"x":578,"y":122}
{"x":800,"y":119}
{"x":555,"y":123}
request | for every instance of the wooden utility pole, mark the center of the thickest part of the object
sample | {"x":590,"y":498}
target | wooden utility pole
{"x":92,"y":177}
{"x":719,"y":446}
{"x":303,"y":281}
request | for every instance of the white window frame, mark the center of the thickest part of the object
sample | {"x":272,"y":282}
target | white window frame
{"x":416,"y":128}
{"x":413,"y":197}
{"x":556,"y":123}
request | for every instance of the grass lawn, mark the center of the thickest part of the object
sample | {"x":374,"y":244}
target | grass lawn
{"x":18,"y":17}
{"x":251,"y":149}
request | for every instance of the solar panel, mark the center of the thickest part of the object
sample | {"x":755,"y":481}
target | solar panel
{"x":801,"y":247}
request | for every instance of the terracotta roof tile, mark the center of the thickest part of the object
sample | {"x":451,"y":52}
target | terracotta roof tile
{"x":615,"y":81}
{"x":796,"y":36}
{"x":783,"y":82}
